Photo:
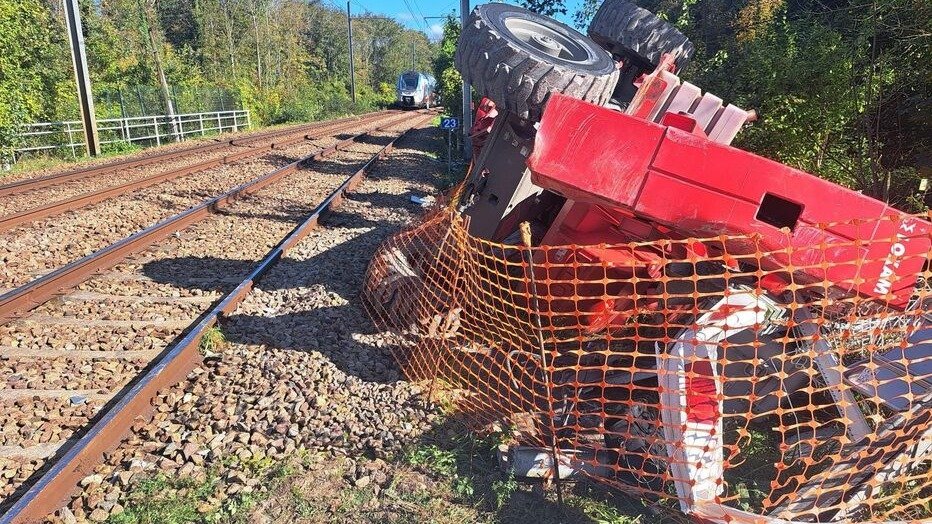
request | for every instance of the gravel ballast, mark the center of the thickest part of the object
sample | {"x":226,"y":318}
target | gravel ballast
{"x":154,"y":295}
{"x":32,"y":249}
{"x":301,"y":372}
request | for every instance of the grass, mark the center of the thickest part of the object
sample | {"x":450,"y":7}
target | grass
{"x":438,"y":150}
{"x":749,"y":481}
{"x":908,"y":498}
{"x":504,"y":489}
{"x":448,"y":477}
{"x":411,"y":497}
{"x":444,"y":395}
{"x":164,"y":500}
{"x":466,"y":468}
{"x":42,"y":162}
{"x":38,"y":163}
{"x":323,"y":492}
{"x":596,"y":505}
{"x":442,"y":463}
{"x":212,"y":341}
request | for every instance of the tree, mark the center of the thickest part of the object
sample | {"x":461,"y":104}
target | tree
{"x":449,"y":81}
{"x":147,"y":10}
{"x":840,"y":85}
{"x":33,"y":70}
{"x":178,"y":20}
{"x":545,"y":7}
{"x":326,"y":43}
{"x":285,"y":59}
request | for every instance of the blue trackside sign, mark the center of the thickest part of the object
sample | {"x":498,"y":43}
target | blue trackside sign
{"x":449,"y":123}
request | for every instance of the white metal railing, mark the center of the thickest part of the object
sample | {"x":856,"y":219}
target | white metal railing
{"x":45,"y":136}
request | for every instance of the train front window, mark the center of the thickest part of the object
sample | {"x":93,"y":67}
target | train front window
{"x":409,"y":80}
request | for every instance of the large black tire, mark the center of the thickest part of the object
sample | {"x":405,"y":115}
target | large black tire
{"x":627,"y":30}
{"x":517,"y":58}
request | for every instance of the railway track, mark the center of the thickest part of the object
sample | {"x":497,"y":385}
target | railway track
{"x":159,"y":156}
{"x":43,"y":197}
{"x":41,"y":245}
{"x":99,"y":338}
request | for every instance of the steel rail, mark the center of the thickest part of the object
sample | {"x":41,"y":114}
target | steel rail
{"x":18,"y":301}
{"x":54,"y":487}
{"x":77,"y":202}
{"x":76,"y":174}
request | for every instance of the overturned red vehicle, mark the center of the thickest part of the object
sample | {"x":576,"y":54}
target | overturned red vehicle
{"x":676,"y":281}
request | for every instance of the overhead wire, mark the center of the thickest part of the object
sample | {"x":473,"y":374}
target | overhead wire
{"x":414,"y":17}
{"x":415,"y":12}
{"x":421,"y":19}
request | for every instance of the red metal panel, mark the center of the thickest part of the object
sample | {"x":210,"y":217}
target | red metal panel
{"x":701,"y":188}
{"x":728,"y":185}
{"x":586,"y":150}
{"x":746,"y":176}
{"x":704,"y":212}
{"x":898,"y":249}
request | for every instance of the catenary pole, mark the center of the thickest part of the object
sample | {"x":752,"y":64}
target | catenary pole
{"x":159,"y":69}
{"x":81,"y":77}
{"x":467,"y":90}
{"x":352,"y":65}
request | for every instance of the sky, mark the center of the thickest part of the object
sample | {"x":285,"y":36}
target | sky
{"x":411,"y":13}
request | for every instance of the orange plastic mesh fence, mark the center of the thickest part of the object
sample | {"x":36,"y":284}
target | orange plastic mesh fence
{"x":688,"y":378}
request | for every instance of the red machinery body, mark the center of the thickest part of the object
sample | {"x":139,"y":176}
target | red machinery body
{"x":482,"y":125}
{"x":627,"y":179}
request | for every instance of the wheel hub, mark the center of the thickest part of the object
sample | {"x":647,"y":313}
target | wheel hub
{"x":546,"y":44}
{"x":547,"y":40}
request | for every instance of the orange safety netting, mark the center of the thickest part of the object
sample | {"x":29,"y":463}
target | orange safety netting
{"x":743,"y":394}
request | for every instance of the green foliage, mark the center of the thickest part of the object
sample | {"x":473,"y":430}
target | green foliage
{"x":461,"y":460}
{"x":43,"y":162}
{"x":313,"y":102}
{"x":467,"y":470}
{"x":503,"y":489}
{"x":445,"y":464}
{"x":799,"y":125}
{"x":545,"y":7}
{"x":840,"y":88}
{"x":30,"y":49}
{"x":451,"y":85}
{"x":601,"y":512}
{"x":449,"y":81}
{"x":748,"y":478}
{"x":119,"y":148}
{"x":439,"y":461}
{"x":164,"y":500}
{"x":286,"y":60}
{"x":386,"y":94}
{"x":212,"y":341}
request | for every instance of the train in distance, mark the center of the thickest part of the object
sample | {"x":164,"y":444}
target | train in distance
{"x":416,"y":89}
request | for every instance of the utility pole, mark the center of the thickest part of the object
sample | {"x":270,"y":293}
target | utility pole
{"x":352,"y":66}
{"x":467,"y":91}
{"x":81,"y":77}
{"x":159,"y":70}
{"x":413,"y":54}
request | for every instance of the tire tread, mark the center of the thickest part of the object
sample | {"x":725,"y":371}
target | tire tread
{"x":518,"y":81}
{"x":620,"y":25}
